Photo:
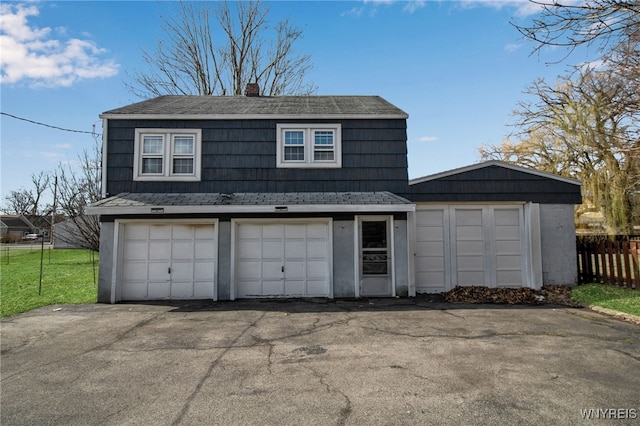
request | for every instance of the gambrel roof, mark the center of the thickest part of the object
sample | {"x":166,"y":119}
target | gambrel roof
{"x":259,"y":107}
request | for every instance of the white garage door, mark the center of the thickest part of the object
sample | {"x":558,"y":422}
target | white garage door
{"x":168,"y":261}
{"x":282,"y":260}
{"x":470,"y":245}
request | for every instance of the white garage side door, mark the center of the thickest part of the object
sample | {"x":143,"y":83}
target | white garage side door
{"x":282,"y":260}
{"x":481,"y":245}
{"x":432,"y":264}
{"x":168,"y":261}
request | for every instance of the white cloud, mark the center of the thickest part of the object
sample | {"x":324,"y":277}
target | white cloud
{"x":512,"y":47}
{"x":427,"y":139}
{"x":33,"y":54}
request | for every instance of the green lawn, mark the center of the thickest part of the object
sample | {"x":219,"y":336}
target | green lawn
{"x":67,"y":277}
{"x":608,"y":296}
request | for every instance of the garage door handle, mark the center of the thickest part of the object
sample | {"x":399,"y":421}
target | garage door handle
{"x":282,"y":269}
{"x":169,"y":270}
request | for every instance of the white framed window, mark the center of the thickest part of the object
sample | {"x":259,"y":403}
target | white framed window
{"x":309,"y":145}
{"x":167,"y":154}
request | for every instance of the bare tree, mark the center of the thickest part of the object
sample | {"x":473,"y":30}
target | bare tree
{"x":569,"y":24}
{"x":29,"y":201}
{"x":585,"y":129}
{"x":218,"y":52}
{"x":76,"y":191}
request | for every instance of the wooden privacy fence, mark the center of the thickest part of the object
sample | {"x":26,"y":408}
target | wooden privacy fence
{"x":607,"y":261}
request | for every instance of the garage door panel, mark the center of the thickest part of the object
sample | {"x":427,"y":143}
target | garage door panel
{"x":468,"y":217}
{"x":204,"y":249}
{"x":138,"y":232}
{"x":507,"y":233}
{"x":251,"y":250}
{"x":430,"y":217}
{"x":291,"y":256}
{"x":317,"y":230}
{"x":295,"y":249}
{"x":271,"y":249}
{"x":181,"y":271}
{"x":182,"y":250}
{"x":159,"y":249}
{"x":203,"y":271}
{"x":509,"y":278}
{"x":272,"y":231}
{"x":136,"y":250}
{"x":508,"y":247}
{"x":249,"y":270}
{"x":182,"y":232}
{"x":317,"y":269}
{"x":158,"y":270}
{"x":317,"y":249}
{"x":159,"y":290}
{"x":484,"y":243}
{"x":271,"y":269}
{"x":160,"y":232}
{"x":430,"y":233}
{"x":294,"y":269}
{"x":505,"y":217}
{"x":133,"y":270}
{"x":294,"y":288}
{"x":297,"y":231}
{"x":470,"y":247}
{"x":272,"y":288}
{"x":135,"y":290}
{"x":168,"y":263}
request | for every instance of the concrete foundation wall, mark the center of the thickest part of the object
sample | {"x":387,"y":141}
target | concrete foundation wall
{"x":558,"y":242}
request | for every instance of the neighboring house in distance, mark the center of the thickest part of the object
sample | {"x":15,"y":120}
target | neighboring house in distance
{"x":66,"y":235}
{"x":15,"y":227}
{"x":221,"y":198}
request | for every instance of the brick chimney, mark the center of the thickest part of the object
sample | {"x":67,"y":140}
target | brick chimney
{"x":253,"y":89}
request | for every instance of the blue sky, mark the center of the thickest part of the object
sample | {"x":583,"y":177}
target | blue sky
{"x":458,"y":68}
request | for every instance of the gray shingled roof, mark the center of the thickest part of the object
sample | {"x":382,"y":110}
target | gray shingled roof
{"x":129,"y":199}
{"x":259,"y":106}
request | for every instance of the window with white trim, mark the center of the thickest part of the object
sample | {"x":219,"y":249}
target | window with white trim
{"x":309,"y":145}
{"x":167,"y":154}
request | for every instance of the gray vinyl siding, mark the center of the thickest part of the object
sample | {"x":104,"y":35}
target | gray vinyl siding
{"x":240,"y":156}
{"x":494,"y":184}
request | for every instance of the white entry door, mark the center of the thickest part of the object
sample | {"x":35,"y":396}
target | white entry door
{"x":375,"y":256}
{"x":282,"y":259}
{"x":168,"y":261}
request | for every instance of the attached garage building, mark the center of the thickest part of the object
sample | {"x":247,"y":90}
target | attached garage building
{"x":493,"y":224}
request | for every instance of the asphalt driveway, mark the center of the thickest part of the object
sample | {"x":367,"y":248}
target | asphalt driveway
{"x":378,"y":361}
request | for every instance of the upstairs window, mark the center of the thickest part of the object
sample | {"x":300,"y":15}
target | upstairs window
{"x":162,"y":154}
{"x":309,"y":145}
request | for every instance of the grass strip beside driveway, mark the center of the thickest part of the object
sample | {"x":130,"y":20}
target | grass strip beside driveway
{"x":608,"y":296}
{"x":69,"y":276}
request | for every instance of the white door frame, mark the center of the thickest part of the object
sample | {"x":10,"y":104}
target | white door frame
{"x":390,"y":247}
{"x":118,"y":249}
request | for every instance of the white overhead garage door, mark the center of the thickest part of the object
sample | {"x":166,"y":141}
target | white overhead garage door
{"x":481,"y":245}
{"x":168,"y":261}
{"x":289,"y":259}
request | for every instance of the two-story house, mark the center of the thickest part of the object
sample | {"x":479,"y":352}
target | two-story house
{"x":209,"y":197}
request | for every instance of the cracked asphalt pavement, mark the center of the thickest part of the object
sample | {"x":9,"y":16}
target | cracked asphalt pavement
{"x":377,"y":361}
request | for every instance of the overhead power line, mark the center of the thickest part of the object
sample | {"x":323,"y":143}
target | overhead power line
{"x":49,"y":125}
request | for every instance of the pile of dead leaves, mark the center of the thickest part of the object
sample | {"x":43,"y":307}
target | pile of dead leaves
{"x":554,"y":294}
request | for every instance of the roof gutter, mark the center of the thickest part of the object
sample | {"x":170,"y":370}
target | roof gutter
{"x":222,"y":209}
